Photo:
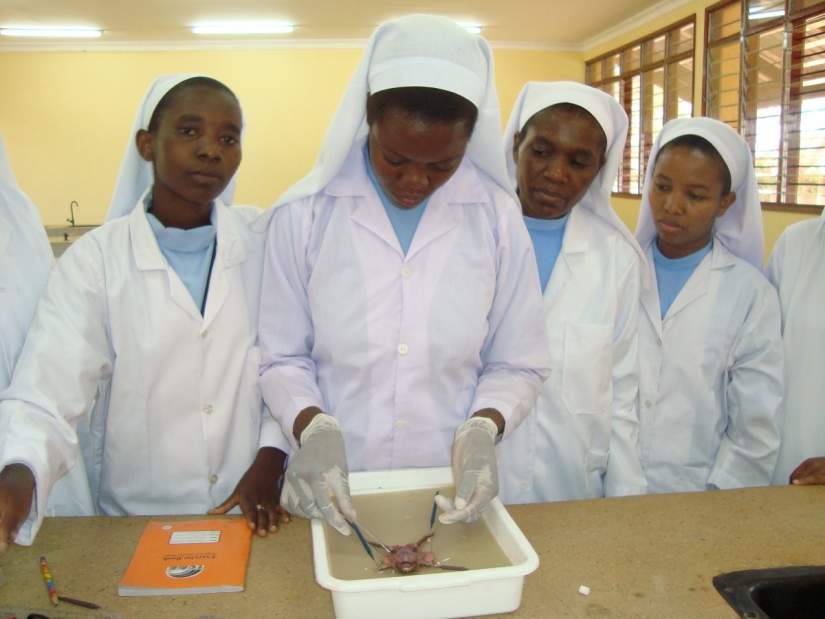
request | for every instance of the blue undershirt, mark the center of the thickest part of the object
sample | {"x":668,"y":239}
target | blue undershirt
{"x":404,"y":220}
{"x":672,"y":273}
{"x":547,"y":236}
{"x":188,"y":252}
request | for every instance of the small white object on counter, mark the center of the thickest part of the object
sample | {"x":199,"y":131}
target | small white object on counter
{"x":584,"y":590}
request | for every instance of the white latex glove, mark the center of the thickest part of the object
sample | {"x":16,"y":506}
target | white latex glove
{"x":317,"y":474}
{"x":475,"y":471}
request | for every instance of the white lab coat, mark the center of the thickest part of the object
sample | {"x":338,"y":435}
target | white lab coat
{"x":178,"y":417}
{"x":711,"y":380}
{"x":25,"y":261}
{"x":795,"y":268}
{"x":581,"y":439}
{"x":400,"y":349}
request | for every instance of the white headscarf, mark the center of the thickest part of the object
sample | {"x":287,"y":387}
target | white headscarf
{"x":135,"y":175}
{"x":18,"y":208}
{"x":25,"y":261}
{"x":6,"y":173}
{"x":536,"y":96}
{"x":740,"y":228}
{"x":416,"y":50}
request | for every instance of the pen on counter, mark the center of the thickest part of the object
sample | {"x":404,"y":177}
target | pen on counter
{"x":77,"y":602}
{"x":47,"y":578}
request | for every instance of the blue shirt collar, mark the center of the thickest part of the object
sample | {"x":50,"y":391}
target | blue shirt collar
{"x":534,"y":223}
{"x":177,"y":239}
{"x":689,"y":262}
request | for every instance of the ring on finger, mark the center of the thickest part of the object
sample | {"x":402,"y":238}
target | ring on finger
{"x":259,"y":507}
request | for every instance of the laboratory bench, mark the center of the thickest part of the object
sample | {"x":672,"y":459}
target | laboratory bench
{"x":647,"y":556}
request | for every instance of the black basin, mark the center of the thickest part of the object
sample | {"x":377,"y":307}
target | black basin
{"x":777,"y":593}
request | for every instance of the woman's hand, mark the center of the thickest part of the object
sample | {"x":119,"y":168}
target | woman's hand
{"x":316,"y":484}
{"x":810,"y":472}
{"x":16,"y":494}
{"x":258,"y":493}
{"x":475,"y":469}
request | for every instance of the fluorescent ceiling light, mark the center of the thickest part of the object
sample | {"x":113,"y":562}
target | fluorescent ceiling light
{"x":53,"y":32}
{"x":471,"y":28}
{"x":249,"y":27}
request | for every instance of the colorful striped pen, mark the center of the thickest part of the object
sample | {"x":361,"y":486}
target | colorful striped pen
{"x":47,"y":578}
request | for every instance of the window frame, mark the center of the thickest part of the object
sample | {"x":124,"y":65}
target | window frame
{"x":625,"y":78}
{"x":792,"y":102}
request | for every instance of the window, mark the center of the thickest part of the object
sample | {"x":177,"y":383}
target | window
{"x":653,"y":80}
{"x":766,"y":77}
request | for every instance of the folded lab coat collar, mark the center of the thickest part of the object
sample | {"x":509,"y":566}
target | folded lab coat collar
{"x":148,"y":256}
{"x":720,"y":258}
{"x":464,"y":187}
{"x":576,"y":236}
{"x":574,"y":248}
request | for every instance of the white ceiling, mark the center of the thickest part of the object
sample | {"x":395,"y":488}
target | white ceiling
{"x":548,"y":23}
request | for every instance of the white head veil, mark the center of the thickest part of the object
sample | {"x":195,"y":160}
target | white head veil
{"x":135,"y":175}
{"x":6,"y":173}
{"x":416,"y":50}
{"x":536,"y":96}
{"x":25,"y":261}
{"x":22,"y":215}
{"x":740,"y":228}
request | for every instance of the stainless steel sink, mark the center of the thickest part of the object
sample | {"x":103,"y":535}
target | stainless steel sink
{"x":60,"y":232}
{"x":60,"y":237}
{"x":777,"y":593}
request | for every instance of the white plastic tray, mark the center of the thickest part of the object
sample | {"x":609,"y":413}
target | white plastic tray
{"x":428,"y":596}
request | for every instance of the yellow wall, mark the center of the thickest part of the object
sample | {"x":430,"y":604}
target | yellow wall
{"x":68,"y":117}
{"x":627,"y":208}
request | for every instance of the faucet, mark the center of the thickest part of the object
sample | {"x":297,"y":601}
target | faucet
{"x":72,"y":204}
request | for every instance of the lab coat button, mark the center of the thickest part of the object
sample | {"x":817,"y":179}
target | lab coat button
{"x":213,"y":479}
{"x":648,"y":404}
{"x":207,"y":409}
{"x":406,"y":271}
{"x":400,"y":424}
{"x":403,"y":349}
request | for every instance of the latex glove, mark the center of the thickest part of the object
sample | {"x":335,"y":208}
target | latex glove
{"x":475,"y":471}
{"x":317,"y":474}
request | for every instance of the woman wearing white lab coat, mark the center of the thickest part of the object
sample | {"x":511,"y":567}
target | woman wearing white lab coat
{"x":795,"y":268}
{"x":581,"y":439}
{"x":402,"y":348}
{"x":711,"y":378}
{"x":25,"y":260}
{"x":24,"y":270}
{"x":178,"y":414}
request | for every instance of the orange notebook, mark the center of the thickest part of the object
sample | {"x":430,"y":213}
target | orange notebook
{"x":189,"y":556}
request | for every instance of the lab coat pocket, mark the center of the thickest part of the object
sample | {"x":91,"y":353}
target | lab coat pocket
{"x":587,"y":369}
